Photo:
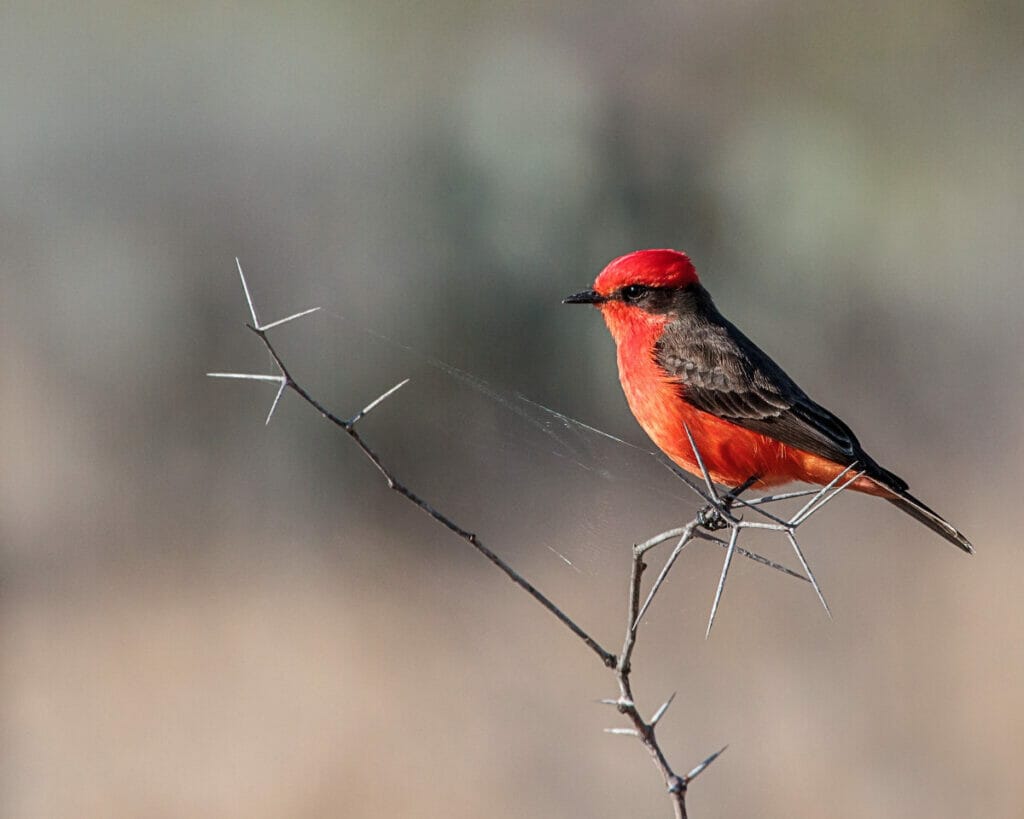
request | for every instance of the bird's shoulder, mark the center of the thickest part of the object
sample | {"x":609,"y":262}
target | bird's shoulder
{"x":722,"y":372}
{"x":705,"y":352}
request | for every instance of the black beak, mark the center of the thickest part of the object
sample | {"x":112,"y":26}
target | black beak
{"x":586,"y":297}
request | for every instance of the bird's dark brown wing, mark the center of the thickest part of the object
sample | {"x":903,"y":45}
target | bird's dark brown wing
{"x":724,"y":373}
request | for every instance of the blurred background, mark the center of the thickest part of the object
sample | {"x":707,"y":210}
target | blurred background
{"x":203,"y":616}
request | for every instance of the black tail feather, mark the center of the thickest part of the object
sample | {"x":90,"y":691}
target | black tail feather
{"x":912,"y":506}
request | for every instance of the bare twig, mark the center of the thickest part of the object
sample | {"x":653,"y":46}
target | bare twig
{"x":286,"y":380}
{"x":675,"y":784}
{"x":349,"y":426}
{"x":718,"y":514}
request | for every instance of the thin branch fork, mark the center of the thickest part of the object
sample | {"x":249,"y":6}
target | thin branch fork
{"x":287,"y":381}
{"x":349,"y":427}
{"x":621,"y":664}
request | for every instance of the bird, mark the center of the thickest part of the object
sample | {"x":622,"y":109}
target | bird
{"x":687,"y":371}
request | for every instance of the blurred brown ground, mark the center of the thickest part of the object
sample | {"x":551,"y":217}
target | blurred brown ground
{"x":203,"y":617}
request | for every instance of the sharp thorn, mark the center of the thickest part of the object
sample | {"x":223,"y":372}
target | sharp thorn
{"x":771,"y":564}
{"x":277,"y":398}
{"x":721,"y":580}
{"x":700,"y":462}
{"x":683,"y":541}
{"x":802,"y":493}
{"x":248,"y":376}
{"x":248,"y":296}
{"x":703,"y":765}
{"x":821,"y":492}
{"x":376,"y":401}
{"x":754,"y":556}
{"x":810,"y":574}
{"x":661,"y":711}
{"x":675,"y":470}
{"x":292,"y":317}
{"x":814,"y":509}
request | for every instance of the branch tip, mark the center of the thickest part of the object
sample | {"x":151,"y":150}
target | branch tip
{"x":376,"y":402}
{"x":721,"y":580}
{"x":807,"y":568}
{"x":248,"y":376}
{"x":261,"y":328}
{"x":292,"y":317}
{"x":684,"y":539}
{"x":831,"y":495}
{"x":704,"y":765}
{"x":661,"y":711}
{"x":248,"y":295}
{"x":811,"y":506}
{"x":277,"y":398}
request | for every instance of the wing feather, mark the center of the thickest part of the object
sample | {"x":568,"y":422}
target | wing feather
{"x":724,"y":373}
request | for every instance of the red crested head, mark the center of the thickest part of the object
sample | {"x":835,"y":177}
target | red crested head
{"x":650,"y":268}
{"x":639,"y":293}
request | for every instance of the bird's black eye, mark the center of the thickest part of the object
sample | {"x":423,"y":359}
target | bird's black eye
{"x":633,"y":292}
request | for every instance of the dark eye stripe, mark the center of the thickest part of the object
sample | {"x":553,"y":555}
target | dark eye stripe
{"x":653,"y":299}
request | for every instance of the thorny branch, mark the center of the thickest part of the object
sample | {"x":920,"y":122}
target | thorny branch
{"x":718,"y":514}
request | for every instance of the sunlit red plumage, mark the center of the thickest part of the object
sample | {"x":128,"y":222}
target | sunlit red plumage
{"x":683,"y":365}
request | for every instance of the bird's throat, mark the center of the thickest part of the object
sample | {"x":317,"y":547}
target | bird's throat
{"x":632,"y":327}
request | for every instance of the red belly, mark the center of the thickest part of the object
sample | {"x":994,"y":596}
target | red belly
{"x":732,"y":454}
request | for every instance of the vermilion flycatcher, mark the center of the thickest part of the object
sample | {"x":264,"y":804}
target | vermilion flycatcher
{"x":683,"y":365}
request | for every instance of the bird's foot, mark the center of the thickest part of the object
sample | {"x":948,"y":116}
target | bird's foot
{"x":712,"y":518}
{"x":716,"y":516}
